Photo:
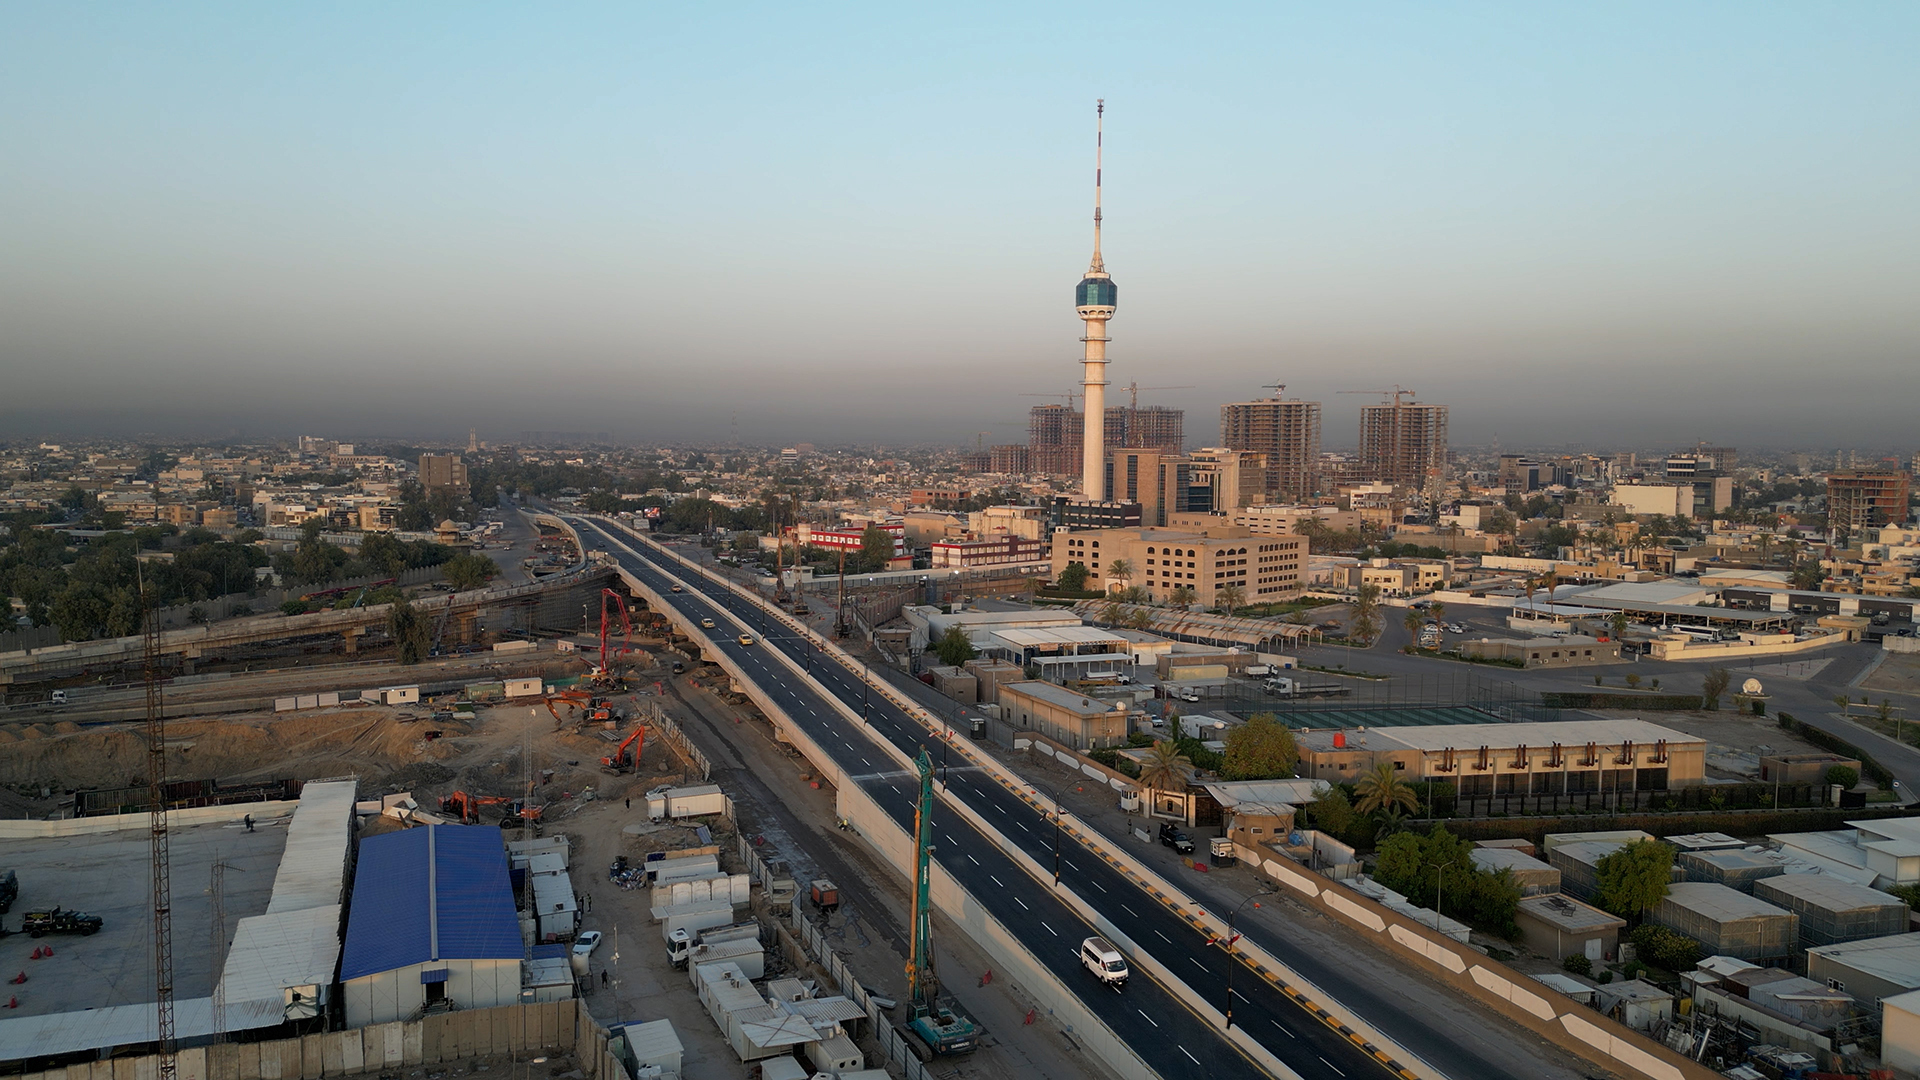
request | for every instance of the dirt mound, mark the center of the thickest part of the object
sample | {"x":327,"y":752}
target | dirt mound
{"x":372,"y":743}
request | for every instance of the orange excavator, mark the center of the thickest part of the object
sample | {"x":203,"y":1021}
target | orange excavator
{"x":467,"y":807}
{"x":620,"y":761}
{"x":571,"y":699}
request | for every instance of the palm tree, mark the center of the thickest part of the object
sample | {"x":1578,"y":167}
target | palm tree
{"x":1382,"y":789}
{"x":1166,"y":768}
{"x":1412,"y":621}
{"x":1120,"y":570}
{"x":1182,"y":596}
{"x":1230,"y":597}
{"x":1438,"y":610}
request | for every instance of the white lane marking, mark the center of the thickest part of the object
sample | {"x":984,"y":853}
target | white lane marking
{"x":1022,"y":903}
{"x":1332,"y":1066}
{"x":996,"y":880}
{"x":975,"y":862}
{"x":1164,"y":937}
{"x":1286,"y":1029}
{"x":1023,"y":826}
{"x":1129,"y":911}
{"x":1151,"y":1020}
{"x":1196,"y":1060}
{"x":1095,"y":884}
{"x":1198,"y":964}
{"x":1050,"y":929}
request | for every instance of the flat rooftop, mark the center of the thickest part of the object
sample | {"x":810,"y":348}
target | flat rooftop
{"x":1507,"y":736}
{"x":1895,"y":958}
{"x":107,"y":874}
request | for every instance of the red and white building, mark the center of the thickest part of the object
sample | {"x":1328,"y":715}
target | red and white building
{"x":851,"y":538}
{"x":1003,"y":550}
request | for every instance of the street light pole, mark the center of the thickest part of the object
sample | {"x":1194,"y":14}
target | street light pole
{"x":1439,"y":878}
{"x":1228,"y":944}
{"x":1059,"y":818}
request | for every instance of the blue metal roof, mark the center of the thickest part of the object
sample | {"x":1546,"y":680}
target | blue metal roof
{"x":435,"y":893}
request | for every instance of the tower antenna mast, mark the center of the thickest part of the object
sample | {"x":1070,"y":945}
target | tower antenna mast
{"x":1099,"y":149}
{"x":1094,"y":301}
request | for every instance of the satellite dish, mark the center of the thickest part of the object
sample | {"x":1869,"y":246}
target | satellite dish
{"x":1751,"y":687}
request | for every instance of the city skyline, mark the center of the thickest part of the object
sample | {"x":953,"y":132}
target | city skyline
{"x":428,"y":220}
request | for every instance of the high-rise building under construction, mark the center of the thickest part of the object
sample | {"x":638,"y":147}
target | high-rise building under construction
{"x":1287,"y":431}
{"x":1056,"y":434}
{"x":1404,"y":443}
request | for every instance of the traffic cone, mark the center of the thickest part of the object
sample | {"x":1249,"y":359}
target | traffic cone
{"x":18,"y":979}
{"x":13,"y":1003}
{"x":46,"y":951}
{"x":36,"y":953}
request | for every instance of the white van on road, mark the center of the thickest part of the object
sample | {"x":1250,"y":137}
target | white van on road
{"x":1100,"y":957}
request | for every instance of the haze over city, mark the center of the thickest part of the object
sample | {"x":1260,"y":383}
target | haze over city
{"x":1642,"y":224}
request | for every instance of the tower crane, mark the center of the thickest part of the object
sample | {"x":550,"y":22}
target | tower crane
{"x":1068,"y":398}
{"x":936,"y":1029}
{"x":1396,"y":394}
{"x":1134,"y":388}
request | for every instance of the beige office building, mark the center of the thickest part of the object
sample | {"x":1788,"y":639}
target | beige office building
{"x":1514,"y":759}
{"x":1266,"y":568}
{"x":439,"y":471}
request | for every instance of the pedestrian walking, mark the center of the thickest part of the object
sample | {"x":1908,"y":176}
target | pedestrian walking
{"x":249,"y":820}
{"x":603,"y":977}
{"x":629,"y":802}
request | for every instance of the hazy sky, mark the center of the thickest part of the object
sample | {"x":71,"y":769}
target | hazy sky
{"x":1620,"y":223}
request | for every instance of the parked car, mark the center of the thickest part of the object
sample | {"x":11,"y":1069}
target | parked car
{"x":1187,"y":694}
{"x":586,"y":943}
{"x":1175,"y":838}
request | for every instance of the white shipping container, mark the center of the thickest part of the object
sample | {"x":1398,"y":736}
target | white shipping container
{"x":748,"y":955}
{"x":524,"y":688}
{"x":400,"y":695}
{"x":515,"y":646}
{"x":666,"y":871}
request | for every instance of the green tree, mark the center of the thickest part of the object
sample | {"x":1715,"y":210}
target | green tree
{"x":1437,"y":609}
{"x":954,"y":647}
{"x":1412,"y":620}
{"x":1618,"y":623}
{"x":1332,"y":812}
{"x":1181,"y":596}
{"x":1120,"y":571}
{"x":1166,"y":768}
{"x":410,"y":632}
{"x":1844,"y":775}
{"x":1712,"y":685}
{"x":1382,"y":789}
{"x":470,"y":570}
{"x":1665,"y":948}
{"x":1634,"y":878}
{"x":381,"y":550}
{"x":876,"y":549}
{"x":1073,"y":578}
{"x":1260,"y":749}
{"x":1807,"y":574}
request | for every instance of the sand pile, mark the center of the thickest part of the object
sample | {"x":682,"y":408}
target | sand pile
{"x":370,"y":742}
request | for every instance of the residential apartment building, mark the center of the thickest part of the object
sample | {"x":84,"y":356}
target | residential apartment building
{"x":1137,"y":475}
{"x":1002,"y":550}
{"x":1275,"y":519}
{"x":1865,"y":498}
{"x":1265,"y":568}
{"x":1286,"y":432}
{"x":1404,"y":444}
{"x":443,"y":471}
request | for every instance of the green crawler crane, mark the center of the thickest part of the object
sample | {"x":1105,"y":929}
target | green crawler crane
{"x":936,"y":1029}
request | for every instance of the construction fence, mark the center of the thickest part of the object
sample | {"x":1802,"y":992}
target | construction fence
{"x":656,"y":719}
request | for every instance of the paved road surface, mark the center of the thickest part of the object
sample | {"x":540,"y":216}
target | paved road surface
{"x":1172,"y":1039}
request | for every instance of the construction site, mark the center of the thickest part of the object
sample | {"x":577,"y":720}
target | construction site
{"x":580,"y":740}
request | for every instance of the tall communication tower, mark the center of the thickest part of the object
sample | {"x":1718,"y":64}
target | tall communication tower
{"x":1094,"y":300}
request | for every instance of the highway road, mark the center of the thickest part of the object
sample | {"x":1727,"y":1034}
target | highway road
{"x":1169,"y":1036}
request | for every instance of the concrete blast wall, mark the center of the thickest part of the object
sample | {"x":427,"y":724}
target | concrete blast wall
{"x":507,"y":1030}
